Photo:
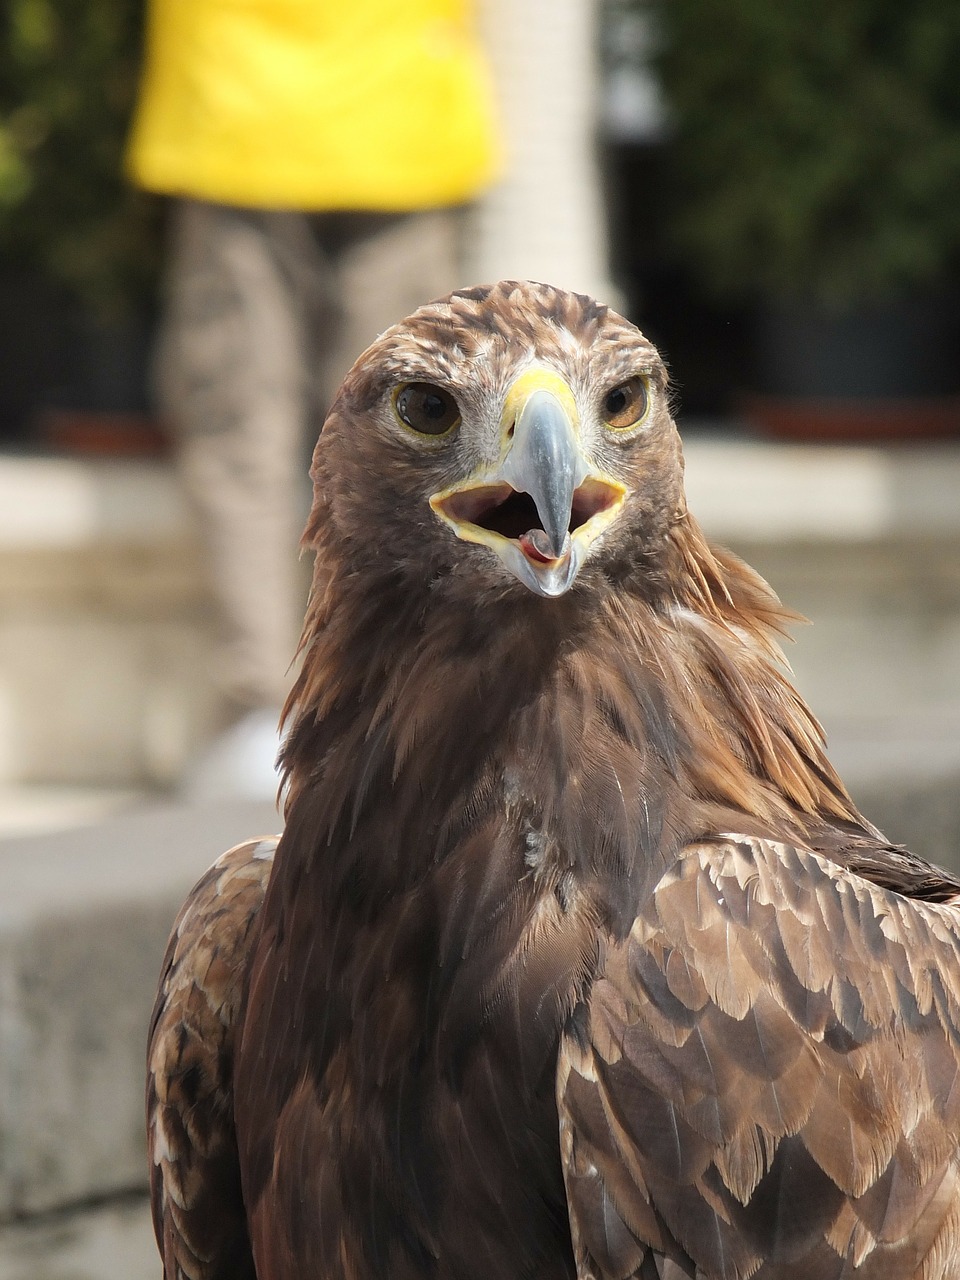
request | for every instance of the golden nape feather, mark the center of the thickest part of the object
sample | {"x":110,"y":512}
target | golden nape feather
{"x":575,"y":957}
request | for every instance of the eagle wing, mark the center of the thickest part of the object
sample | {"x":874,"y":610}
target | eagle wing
{"x":198,"y":1212}
{"x":764,"y":1079}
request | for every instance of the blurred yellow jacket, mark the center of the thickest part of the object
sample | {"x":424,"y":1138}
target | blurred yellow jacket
{"x":313,"y":104}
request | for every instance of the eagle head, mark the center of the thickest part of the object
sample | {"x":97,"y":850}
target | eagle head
{"x":504,"y":435}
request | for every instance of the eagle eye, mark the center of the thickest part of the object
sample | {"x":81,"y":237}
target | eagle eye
{"x":626,"y":405}
{"x":426,"y":409}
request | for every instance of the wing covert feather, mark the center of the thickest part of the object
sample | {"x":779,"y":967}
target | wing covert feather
{"x":764,"y":1079}
{"x":198,"y":1212}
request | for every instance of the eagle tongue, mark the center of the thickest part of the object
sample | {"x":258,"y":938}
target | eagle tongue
{"x":538,"y":545}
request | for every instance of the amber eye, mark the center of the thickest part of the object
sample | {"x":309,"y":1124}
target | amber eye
{"x":626,"y":405}
{"x":426,"y":409}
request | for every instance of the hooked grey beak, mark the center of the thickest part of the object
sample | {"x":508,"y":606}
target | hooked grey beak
{"x":545,"y":461}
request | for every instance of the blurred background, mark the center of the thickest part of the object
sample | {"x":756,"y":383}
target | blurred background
{"x":772,"y":192}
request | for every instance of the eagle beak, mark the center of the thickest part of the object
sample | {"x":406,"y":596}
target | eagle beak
{"x":545,"y":504}
{"x":545,"y":461}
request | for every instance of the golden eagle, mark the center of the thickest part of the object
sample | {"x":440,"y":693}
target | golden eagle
{"x":575,"y":958}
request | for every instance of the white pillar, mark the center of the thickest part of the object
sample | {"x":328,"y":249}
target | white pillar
{"x":544,"y":220}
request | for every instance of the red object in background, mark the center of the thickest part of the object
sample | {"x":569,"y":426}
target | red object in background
{"x":854,"y":421}
{"x":102,"y":433}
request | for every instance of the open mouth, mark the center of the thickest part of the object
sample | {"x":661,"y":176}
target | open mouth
{"x":500,"y":509}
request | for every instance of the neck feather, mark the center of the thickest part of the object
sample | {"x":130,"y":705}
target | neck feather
{"x":670,"y":708}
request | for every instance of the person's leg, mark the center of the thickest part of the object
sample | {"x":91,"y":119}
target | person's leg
{"x":387,"y":265}
{"x":230,"y":382}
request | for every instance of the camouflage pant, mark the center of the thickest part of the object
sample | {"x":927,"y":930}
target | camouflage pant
{"x":264,"y":313}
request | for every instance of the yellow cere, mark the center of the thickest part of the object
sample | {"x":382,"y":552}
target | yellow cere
{"x":539,"y":378}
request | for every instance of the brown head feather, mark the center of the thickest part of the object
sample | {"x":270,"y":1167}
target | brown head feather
{"x":406,"y":628}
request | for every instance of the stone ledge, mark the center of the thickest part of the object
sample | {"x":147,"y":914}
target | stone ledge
{"x":68,"y":502}
{"x":921,"y":812}
{"x":84,"y":921}
{"x":111,"y":1241}
{"x":109,"y":586}
{"x":757,"y":491}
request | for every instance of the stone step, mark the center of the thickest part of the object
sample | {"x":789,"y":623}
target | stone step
{"x":84,"y":920}
{"x":112,"y":1241}
{"x":104,"y":624}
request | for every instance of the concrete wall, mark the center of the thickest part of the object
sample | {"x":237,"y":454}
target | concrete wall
{"x":104,"y":624}
{"x":85,"y":919}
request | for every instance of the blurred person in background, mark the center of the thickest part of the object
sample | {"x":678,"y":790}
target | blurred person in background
{"x":319,"y":154}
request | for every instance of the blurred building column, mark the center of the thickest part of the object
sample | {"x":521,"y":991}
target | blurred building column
{"x":545,"y":219}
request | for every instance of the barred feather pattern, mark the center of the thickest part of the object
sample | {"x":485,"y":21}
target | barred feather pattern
{"x":763,"y":1081}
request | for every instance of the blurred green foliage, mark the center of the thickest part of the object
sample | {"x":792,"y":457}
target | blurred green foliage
{"x":817,"y":142}
{"x":68,"y":75}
